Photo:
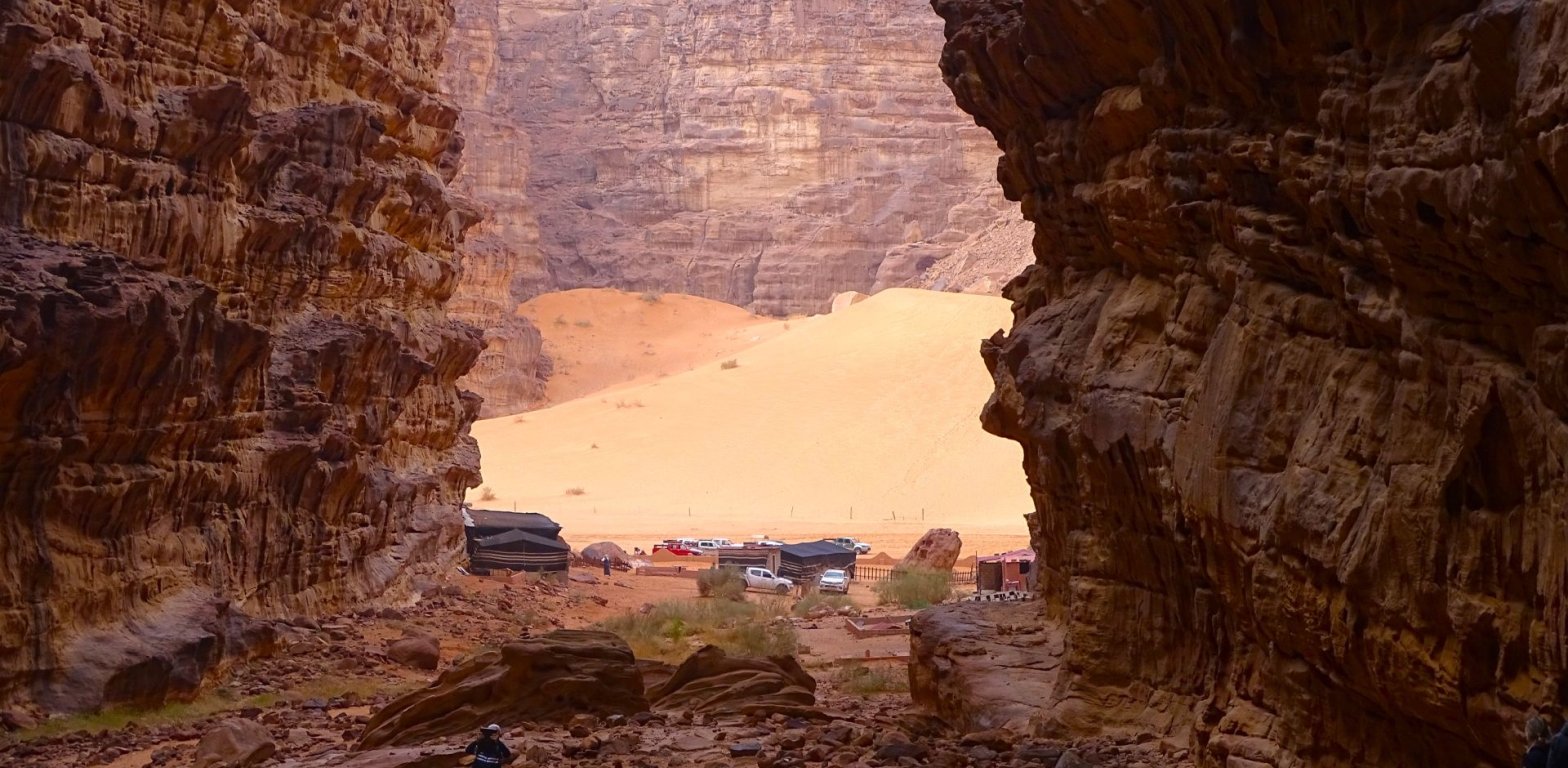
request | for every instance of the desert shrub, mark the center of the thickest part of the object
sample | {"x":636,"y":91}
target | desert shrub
{"x":628,"y":403}
{"x":806,"y":604}
{"x":560,"y":320}
{"x":915,"y":588}
{"x":583,"y":324}
{"x":575,"y":491}
{"x":724,"y":583}
{"x":728,"y":364}
{"x":652,"y":297}
{"x":860,"y":680}
{"x":670,"y":630}
{"x":485,"y":494}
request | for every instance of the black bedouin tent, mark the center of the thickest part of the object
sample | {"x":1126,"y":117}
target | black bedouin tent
{"x":519,"y":541}
{"x":519,"y":550}
{"x":806,"y":561}
{"x":749,"y":557}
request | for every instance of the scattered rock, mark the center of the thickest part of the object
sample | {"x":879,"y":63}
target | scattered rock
{"x":999,"y":739}
{"x":1071,"y":759}
{"x":902,"y":749}
{"x":583,"y":578}
{"x":235,"y":743}
{"x":543,"y":679}
{"x":1038,"y":753}
{"x":418,"y":652}
{"x":745,"y":749}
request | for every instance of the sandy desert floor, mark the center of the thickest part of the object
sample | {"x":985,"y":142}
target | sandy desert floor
{"x":599,"y":337}
{"x":864,"y":423}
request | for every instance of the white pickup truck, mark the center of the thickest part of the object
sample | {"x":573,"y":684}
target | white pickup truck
{"x":762,"y":578}
{"x":858,"y":547}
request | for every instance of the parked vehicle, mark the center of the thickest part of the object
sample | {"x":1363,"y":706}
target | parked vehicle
{"x":834,"y":580}
{"x":769,"y":543}
{"x":676,"y":548}
{"x":762,"y":578}
{"x":858,"y":547}
{"x":706,"y":544}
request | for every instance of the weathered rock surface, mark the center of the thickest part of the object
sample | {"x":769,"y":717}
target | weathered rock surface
{"x":765,"y":154}
{"x":1288,"y":371}
{"x":226,"y":375}
{"x":982,"y":666}
{"x":417,"y":651}
{"x":713,"y":682}
{"x":235,"y":743}
{"x":595,"y":553}
{"x":549,"y":678}
{"x":936,"y":550}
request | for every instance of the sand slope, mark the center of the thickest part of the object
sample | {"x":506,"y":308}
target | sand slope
{"x":601,"y":337}
{"x":874,"y":408}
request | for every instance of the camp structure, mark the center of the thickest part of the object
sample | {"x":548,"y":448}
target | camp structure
{"x":749,"y":557}
{"x":517,"y":541}
{"x":1005,"y":571}
{"x":804,"y":562}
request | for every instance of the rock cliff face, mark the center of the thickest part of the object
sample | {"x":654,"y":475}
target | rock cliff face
{"x":764,"y":154}
{"x":227,"y":382}
{"x":1289,"y":369}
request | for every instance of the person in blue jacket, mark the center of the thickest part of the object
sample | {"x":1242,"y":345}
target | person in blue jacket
{"x":488,"y":751}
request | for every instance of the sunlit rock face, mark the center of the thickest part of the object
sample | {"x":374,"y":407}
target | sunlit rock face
{"x":1289,"y":369}
{"x":765,"y":154}
{"x":227,"y":378}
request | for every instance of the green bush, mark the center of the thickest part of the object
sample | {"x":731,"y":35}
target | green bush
{"x":667,"y":630}
{"x":811,"y":601}
{"x":723,"y":583}
{"x":652,"y":297}
{"x":916,"y":588}
{"x":859,"y":680}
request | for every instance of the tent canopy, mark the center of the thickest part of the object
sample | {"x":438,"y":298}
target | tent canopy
{"x":533,"y":522}
{"x":811,"y":549}
{"x":520,"y":537}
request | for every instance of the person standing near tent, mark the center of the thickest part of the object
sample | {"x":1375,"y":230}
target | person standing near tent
{"x":606,"y":563}
{"x":488,"y":751}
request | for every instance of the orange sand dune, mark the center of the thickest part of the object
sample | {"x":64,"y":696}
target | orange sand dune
{"x":860,"y":423}
{"x":600,"y":337}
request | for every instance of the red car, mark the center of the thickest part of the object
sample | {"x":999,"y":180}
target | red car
{"x":676,"y":548}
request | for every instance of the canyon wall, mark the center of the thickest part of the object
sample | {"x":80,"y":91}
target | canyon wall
{"x":769,"y":155}
{"x":227,"y":380}
{"x":1290,"y":370}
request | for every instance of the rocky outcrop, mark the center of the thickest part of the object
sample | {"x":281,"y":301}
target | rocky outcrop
{"x":937,"y":550}
{"x":765,"y":154}
{"x":549,"y":678}
{"x":711,"y":681}
{"x":227,"y":383}
{"x":1288,"y":370}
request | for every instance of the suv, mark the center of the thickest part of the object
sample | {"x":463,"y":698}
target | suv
{"x":762,"y":578}
{"x":858,"y":547}
{"x":707,"y":544}
{"x":834,"y":580}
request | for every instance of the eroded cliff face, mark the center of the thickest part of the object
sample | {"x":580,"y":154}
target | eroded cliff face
{"x":227,"y":381}
{"x":764,"y":154}
{"x":1289,"y":369}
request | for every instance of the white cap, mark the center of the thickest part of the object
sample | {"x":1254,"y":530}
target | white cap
{"x":491,"y":727}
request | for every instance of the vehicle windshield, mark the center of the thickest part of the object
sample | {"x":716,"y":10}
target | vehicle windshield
{"x":832,"y":574}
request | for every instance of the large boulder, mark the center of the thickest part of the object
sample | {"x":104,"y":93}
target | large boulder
{"x":547,"y":678}
{"x":235,"y":743}
{"x":713,"y":682}
{"x":595,"y":553}
{"x":937,"y":550}
{"x":417,"y":651}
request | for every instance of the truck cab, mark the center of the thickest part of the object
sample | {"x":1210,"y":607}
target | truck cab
{"x":858,"y":547}
{"x":762,"y":578}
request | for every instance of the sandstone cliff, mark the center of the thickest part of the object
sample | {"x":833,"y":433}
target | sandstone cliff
{"x":1289,"y":369}
{"x":227,"y":382}
{"x":769,"y":155}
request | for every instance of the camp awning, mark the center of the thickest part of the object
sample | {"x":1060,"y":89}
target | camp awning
{"x":814,"y":549}
{"x":519,"y":537}
{"x":496,"y":520}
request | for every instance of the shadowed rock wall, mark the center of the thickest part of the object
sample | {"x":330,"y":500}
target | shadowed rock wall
{"x":1289,"y":371}
{"x":227,"y":381}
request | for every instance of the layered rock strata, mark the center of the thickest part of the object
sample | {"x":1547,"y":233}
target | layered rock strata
{"x":227,"y":381}
{"x":764,"y":154}
{"x":1289,"y":368}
